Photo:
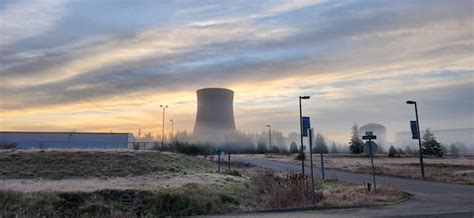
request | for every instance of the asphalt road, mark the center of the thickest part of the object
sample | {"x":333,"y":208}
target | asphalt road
{"x":430,"y":199}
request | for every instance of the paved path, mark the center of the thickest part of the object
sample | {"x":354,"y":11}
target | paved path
{"x":433,"y":199}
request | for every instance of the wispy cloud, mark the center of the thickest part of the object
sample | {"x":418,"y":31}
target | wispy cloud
{"x":339,"y":52}
{"x":28,"y":18}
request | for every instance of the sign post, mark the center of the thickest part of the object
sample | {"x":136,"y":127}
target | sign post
{"x":369,"y":136}
{"x":415,"y":132}
{"x":311,"y":162}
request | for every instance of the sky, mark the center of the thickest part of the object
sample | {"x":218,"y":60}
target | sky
{"x":108,"y":65}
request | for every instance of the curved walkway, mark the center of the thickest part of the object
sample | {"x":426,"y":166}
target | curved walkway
{"x":429,"y":198}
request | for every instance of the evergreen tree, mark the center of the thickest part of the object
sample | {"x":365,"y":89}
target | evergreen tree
{"x":356,"y":145}
{"x":429,"y":144}
{"x":400,"y":151}
{"x":320,"y":143}
{"x":293,"y":147}
{"x":334,"y":148}
{"x":408,"y":150}
{"x":392,"y":151}
{"x":262,"y":146}
{"x":453,"y":150}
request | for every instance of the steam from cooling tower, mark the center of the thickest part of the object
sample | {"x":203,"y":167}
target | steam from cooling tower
{"x":215,"y":115}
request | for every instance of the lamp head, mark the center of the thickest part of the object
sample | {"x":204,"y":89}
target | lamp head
{"x":411,"y":102}
{"x":304,"y":97}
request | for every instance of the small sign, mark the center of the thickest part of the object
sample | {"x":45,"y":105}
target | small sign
{"x":414,"y":129}
{"x":369,"y":133}
{"x":367,"y":137}
{"x":306,"y":126}
{"x":367,"y":148}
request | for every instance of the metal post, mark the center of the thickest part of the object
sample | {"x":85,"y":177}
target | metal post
{"x":301,"y":137}
{"x":322,"y":163}
{"x":270,"y":138}
{"x":372,"y":161}
{"x":163,"y":127}
{"x":172,"y":126}
{"x":219,"y":161}
{"x":228,"y":150}
{"x":419,"y":144}
{"x":311,"y":162}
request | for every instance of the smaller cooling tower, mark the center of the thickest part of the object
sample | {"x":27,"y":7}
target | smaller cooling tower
{"x":215,"y":115}
{"x":378,"y":130}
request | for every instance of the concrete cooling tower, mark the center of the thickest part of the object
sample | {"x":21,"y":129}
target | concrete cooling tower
{"x":215,"y":115}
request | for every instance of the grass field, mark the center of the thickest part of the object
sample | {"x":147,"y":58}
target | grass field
{"x":135,"y":183}
{"x":446,"y":169}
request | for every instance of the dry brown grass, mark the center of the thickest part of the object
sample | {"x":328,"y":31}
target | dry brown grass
{"x":447,"y":169}
{"x":337,"y":193}
{"x":77,"y":183}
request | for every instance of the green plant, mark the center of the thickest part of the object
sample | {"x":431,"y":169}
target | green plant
{"x":356,"y":145}
{"x":300,"y":156}
{"x":293,"y":147}
{"x":392,"y":152}
{"x":232,"y":172}
{"x":430,"y":145}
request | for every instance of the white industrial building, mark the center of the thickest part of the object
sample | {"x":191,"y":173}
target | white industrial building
{"x":68,"y":140}
{"x":378,"y":130}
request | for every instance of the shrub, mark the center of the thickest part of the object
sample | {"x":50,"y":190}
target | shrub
{"x":190,"y":149}
{"x":454,"y":150}
{"x":293,"y":147}
{"x":285,"y":190}
{"x":7,"y":145}
{"x":392,"y":152}
{"x":301,"y":157}
{"x":232,"y":172}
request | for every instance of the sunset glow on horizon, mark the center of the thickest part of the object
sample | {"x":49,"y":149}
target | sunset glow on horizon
{"x":108,"y":66}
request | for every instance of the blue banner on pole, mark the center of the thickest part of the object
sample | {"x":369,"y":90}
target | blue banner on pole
{"x":414,"y":129}
{"x":306,"y":126}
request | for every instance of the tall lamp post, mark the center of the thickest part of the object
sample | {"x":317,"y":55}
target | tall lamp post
{"x":419,"y":139}
{"x":172,"y":125}
{"x":270,"y":138}
{"x":301,"y":133}
{"x":163,"y":127}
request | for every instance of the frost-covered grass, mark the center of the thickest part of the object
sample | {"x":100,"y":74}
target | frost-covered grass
{"x":125,"y":183}
{"x":64,"y":164}
{"x":446,"y":169}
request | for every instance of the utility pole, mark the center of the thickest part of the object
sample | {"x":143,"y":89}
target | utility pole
{"x":163,"y":127}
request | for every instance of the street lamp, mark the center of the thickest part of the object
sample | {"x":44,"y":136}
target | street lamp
{"x":419,"y":139}
{"x":163,"y":126}
{"x":172,"y":125}
{"x":270,"y":138}
{"x":301,"y":133}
